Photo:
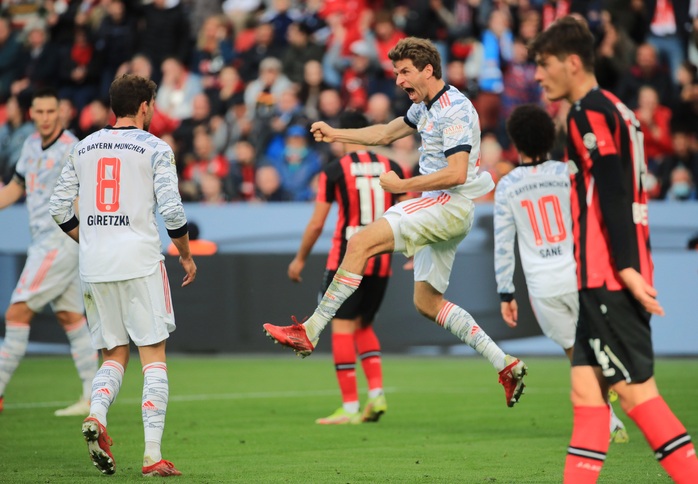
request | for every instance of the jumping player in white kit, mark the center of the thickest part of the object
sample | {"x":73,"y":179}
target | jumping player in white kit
{"x":532,"y":203}
{"x":430,"y":227}
{"x":50,"y":274}
{"x":122,"y":174}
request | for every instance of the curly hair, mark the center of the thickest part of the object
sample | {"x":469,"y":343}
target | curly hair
{"x":532,"y":131}
{"x":420,"y":51}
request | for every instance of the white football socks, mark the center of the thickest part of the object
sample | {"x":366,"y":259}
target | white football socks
{"x":105,"y":388}
{"x":342,"y":286}
{"x":459,"y":322}
{"x":85,"y":356}
{"x":153,"y":409}
{"x":12,"y":351}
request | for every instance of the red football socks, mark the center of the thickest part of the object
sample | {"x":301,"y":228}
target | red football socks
{"x":345,"y":365}
{"x":589,"y":444}
{"x":667,"y":436}
{"x":370,"y":354}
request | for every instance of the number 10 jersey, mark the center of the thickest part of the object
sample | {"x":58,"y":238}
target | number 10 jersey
{"x":533,"y":202}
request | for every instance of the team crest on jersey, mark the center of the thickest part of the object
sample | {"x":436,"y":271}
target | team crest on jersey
{"x":172,"y":159}
{"x":589,"y":141}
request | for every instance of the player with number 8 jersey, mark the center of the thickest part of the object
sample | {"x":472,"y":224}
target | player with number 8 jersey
{"x":122,"y":174}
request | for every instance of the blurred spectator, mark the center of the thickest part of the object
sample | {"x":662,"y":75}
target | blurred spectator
{"x":227,"y":91}
{"x":497,"y":44}
{"x":200,"y":117}
{"x":357,"y":78}
{"x":311,"y":87}
{"x":200,"y":10}
{"x":268,"y":185}
{"x":280,"y":16}
{"x":520,"y":86}
{"x":164,"y":33}
{"x":646,"y":70}
{"x":615,"y":53}
{"x":425,"y":19}
{"x":214,"y":50}
{"x":211,"y":187}
{"x":242,"y":170}
{"x":682,"y":187}
{"x":301,"y":49}
{"x":297,"y":165}
{"x":685,"y":114}
{"x":115,"y":43}
{"x":379,"y":109}
{"x":684,"y":155}
{"x":249,"y":62}
{"x":668,"y":31}
{"x":10,"y":52}
{"x":79,"y":70}
{"x":38,"y":64}
{"x":94,"y":117}
{"x":68,"y":115}
{"x":386,"y":35}
{"x":330,"y":106}
{"x":240,"y":11}
{"x":179,"y":87}
{"x":197,"y":245}
{"x":261,"y":98}
{"x":655,"y":122}
{"x":288,"y":112}
{"x":204,"y":159}
{"x":13,"y":134}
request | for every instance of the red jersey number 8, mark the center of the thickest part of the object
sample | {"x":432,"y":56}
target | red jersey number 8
{"x":108,"y":180}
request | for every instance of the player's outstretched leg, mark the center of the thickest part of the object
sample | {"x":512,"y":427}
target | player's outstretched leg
{"x":511,"y":378}
{"x":98,"y":445}
{"x":294,"y":336}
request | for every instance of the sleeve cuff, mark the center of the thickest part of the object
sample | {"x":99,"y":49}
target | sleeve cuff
{"x":506,"y":296}
{"x":409,"y":123}
{"x":457,"y":149}
{"x":70,"y":224}
{"x":180,"y":232}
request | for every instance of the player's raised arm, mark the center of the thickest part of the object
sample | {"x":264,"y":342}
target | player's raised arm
{"x":378,"y":134}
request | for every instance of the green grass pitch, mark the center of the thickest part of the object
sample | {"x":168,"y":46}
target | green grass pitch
{"x":250,"y":419}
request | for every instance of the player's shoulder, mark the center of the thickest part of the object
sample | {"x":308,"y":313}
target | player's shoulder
{"x":514,"y":176}
{"x":67,"y":138}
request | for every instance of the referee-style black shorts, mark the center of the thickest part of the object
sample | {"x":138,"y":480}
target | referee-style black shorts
{"x":614,"y":333}
{"x":365,"y":301}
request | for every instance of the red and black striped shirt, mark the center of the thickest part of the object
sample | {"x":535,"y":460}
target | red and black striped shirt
{"x":353,"y":182}
{"x":609,"y":203}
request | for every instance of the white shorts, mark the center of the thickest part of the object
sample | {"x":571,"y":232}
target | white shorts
{"x":50,"y":276}
{"x":557,"y":316}
{"x":430,"y":229}
{"x":139,"y":309}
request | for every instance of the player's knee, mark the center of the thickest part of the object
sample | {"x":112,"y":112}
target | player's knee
{"x":19,"y":313}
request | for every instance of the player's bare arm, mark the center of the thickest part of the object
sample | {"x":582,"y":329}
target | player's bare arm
{"x":185,"y":259}
{"x":641,"y":290}
{"x":453,"y":175}
{"x":510,"y":312}
{"x":378,"y":134}
{"x":10,"y":193}
{"x":310,"y":236}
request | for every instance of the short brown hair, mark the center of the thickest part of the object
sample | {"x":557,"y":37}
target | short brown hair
{"x":566,"y":36}
{"x":420,"y":51}
{"x":127,"y":93}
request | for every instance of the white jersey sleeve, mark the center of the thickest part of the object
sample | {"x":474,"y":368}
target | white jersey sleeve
{"x":532,"y":204}
{"x":504,"y":238}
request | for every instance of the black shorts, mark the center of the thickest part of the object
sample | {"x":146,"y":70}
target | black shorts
{"x":614,"y":333}
{"x":365,"y":301}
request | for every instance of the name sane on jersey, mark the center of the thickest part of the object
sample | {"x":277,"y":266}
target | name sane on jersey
{"x":111,"y":146}
{"x":550,"y":252}
{"x":543,"y":184}
{"x":113,"y":220}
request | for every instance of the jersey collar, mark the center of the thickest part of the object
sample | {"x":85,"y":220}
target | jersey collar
{"x":44,"y":148}
{"x":122,"y":127}
{"x":438,"y":95}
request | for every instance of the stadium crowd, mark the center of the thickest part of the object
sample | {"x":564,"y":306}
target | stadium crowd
{"x":240,"y":81}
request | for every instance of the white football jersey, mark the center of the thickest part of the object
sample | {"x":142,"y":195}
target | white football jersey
{"x":533,"y":202}
{"x":120,"y":175}
{"x":38,"y":169}
{"x":447,"y":125}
